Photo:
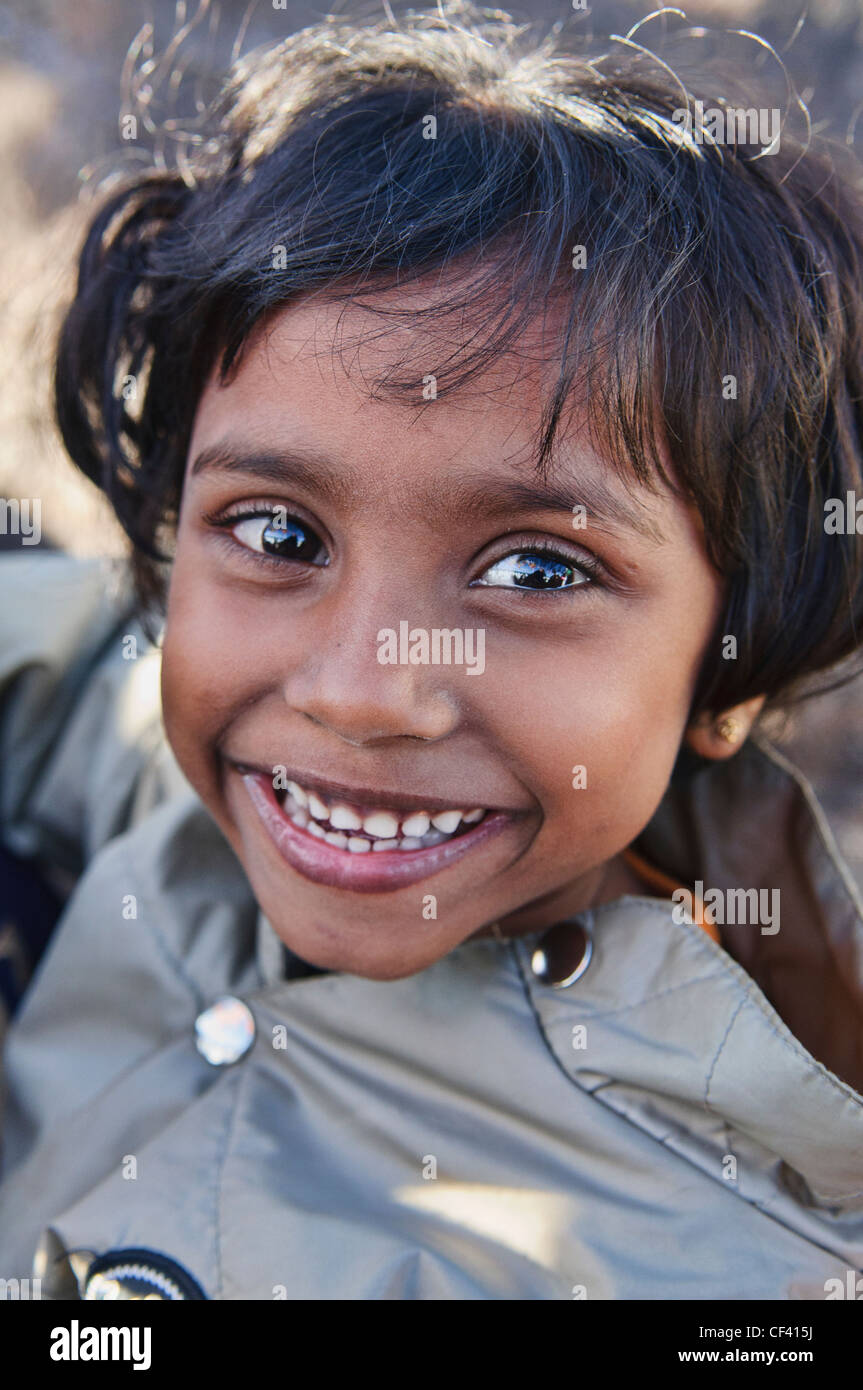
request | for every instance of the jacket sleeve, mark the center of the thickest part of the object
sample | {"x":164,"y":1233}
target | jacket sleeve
{"x":82,"y":750}
{"x":83,"y":756}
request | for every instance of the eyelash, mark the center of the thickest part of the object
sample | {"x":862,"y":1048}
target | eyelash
{"x":587,"y":564}
{"x":255,"y":511}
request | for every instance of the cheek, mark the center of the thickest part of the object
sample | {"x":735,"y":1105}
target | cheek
{"x":209,"y":669}
{"x":617,"y":710}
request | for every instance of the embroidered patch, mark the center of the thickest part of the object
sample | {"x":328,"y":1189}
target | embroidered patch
{"x":139,"y":1274}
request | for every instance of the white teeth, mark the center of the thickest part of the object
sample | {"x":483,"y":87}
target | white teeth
{"x":298,"y":794}
{"x":387,"y":831}
{"x":343,"y":817}
{"x":416,"y":824}
{"x":432,"y":837}
{"x":382,"y":824}
{"x":317,"y":807}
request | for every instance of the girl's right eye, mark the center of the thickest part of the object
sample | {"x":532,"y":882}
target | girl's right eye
{"x":278,"y":535}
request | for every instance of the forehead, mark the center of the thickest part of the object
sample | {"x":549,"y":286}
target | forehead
{"x":393,"y":345}
{"x":316,"y":385}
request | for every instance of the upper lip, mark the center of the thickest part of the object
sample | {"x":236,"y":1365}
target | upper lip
{"x":366,"y":796}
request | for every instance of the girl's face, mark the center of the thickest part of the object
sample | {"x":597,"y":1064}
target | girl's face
{"x":333,"y":551}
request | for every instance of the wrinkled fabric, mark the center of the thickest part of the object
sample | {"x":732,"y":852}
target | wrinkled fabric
{"x":657,"y":1130}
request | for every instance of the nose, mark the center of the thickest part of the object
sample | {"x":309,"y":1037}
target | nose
{"x":341,"y":684}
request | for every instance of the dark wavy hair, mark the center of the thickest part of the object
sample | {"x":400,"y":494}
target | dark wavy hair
{"x":704,"y":261}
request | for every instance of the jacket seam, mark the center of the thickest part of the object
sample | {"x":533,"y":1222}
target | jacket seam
{"x":718,"y":1053}
{"x":799,"y":1052}
{"x":750,"y":992}
{"x":174,"y":962}
{"x":650,"y":998}
{"x":229,"y":1129}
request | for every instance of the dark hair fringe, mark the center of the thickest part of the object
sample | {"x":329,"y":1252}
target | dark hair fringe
{"x":702,"y":262}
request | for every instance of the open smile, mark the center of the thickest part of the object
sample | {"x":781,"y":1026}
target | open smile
{"x":363,"y":847}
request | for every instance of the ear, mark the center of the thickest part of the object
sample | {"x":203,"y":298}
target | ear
{"x":722,"y":735}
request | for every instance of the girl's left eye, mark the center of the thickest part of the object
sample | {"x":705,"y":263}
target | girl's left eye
{"x":534,"y":569}
{"x":276,"y":534}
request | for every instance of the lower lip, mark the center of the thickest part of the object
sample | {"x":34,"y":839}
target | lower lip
{"x":377,"y":871}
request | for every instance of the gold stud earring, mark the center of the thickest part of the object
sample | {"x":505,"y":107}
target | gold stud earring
{"x":729,"y":728}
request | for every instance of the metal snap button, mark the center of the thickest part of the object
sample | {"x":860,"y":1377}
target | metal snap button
{"x":225,"y":1031}
{"x":563,"y":954}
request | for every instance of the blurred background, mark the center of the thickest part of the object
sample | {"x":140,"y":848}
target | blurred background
{"x":70,"y":70}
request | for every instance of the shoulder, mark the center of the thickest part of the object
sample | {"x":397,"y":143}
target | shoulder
{"x":162,"y":922}
{"x":80,"y":718}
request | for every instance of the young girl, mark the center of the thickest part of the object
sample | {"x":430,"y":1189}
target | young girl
{"x":475,"y":418}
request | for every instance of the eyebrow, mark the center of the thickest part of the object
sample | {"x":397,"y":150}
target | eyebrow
{"x":483,"y":494}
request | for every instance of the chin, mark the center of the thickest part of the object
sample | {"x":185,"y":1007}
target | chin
{"x":372,"y":952}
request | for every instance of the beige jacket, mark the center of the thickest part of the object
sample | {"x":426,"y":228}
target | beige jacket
{"x":653,"y":1131}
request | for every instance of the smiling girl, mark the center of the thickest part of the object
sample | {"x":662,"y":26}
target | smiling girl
{"x":373,"y":979}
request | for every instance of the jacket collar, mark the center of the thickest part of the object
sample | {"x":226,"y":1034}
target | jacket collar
{"x":666,"y":1029}
{"x":755,"y":823}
